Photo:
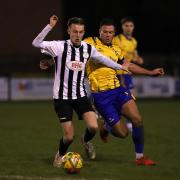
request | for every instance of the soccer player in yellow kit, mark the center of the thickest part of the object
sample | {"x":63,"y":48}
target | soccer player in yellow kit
{"x":128,"y":45}
{"x":111,"y":99}
{"x":126,"y":41}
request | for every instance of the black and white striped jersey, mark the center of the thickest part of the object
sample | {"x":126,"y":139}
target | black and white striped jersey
{"x":70,"y":70}
{"x":70,"y":64}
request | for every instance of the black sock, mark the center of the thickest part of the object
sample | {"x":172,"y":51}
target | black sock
{"x":63,"y":146}
{"x":89,"y":135}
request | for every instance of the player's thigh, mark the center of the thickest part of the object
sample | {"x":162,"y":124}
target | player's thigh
{"x":85,"y":111}
{"x":130,"y":110}
{"x":105,"y":103}
{"x":82,"y":106}
{"x":63,"y":109}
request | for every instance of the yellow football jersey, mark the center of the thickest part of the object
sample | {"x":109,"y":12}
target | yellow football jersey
{"x":128,"y":47}
{"x":102,"y":78}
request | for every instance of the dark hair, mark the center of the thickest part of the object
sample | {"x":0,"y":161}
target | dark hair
{"x":76,"y":20}
{"x":107,"y":21}
{"x":126,"y":19}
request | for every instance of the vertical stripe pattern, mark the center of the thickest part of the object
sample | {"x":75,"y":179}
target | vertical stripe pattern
{"x":63,"y":63}
{"x":70,"y":71}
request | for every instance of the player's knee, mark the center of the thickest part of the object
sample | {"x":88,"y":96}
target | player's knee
{"x":93,"y":129}
{"x":137,"y":120}
{"x":69,"y":138}
{"x":120,"y":133}
{"x":124,"y":134}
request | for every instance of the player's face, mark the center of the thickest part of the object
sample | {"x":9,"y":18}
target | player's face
{"x":106,"y":34}
{"x":76,"y":33}
{"x":128,"y":28}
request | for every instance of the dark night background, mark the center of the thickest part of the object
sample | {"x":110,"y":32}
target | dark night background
{"x":157,"y":29}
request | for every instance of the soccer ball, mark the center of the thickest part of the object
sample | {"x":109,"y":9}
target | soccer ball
{"x":72,"y":162}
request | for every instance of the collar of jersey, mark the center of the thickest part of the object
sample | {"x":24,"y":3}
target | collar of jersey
{"x":69,"y":42}
{"x":100,"y":42}
{"x":126,"y":37}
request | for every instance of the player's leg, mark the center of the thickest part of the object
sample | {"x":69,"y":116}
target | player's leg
{"x":116,"y":127}
{"x":64,"y":112}
{"x":68,"y":136}
{"x":85,"y":111}
{"x":120,"y":130}
{"x":92,"y":126}
{"x":127,"y":82}
{"x":131,"y":87}
{"x":130,"y":110}
{"x":65,"y":141}
{"x":103,"y":132}
{"x":105,"y":104}
{"x":137,"y":131}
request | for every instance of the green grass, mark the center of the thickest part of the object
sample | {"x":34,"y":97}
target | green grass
{"x":29,"y":135}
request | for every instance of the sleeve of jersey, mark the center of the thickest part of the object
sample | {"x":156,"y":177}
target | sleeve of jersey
{"x":99,"y":58}
{"x":50,"y":47}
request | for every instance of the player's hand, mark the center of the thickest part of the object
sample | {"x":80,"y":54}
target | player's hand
{"x":158,"y":72}
{"x":53,"y":20}
{"x":125,"y":66}
{"x":44,"y":64}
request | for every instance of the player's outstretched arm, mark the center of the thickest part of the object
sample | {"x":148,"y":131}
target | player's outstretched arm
{"x":37,"y":42}
{"x":99,"y":58}
{"x":157,"y":72}
{"x":135,"y":69}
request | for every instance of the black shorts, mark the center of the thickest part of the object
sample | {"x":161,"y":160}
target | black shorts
{"x":64,"y":108}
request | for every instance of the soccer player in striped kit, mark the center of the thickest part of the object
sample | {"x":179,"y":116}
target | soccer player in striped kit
{"x":70,"y":58}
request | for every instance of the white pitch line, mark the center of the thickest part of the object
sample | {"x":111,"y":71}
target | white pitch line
{"x":18,"y":177}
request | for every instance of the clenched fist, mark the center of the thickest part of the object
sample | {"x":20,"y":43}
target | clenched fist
{"x":158,"y":72}
{"x":53,"y":20}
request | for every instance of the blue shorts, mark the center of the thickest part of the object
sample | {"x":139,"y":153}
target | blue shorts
{"x":110,"y":102}
{"x":126,"y":80}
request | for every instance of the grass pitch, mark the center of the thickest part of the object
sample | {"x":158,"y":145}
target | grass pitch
{"x":29,"y":137}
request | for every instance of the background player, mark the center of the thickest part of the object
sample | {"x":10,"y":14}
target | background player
{"x":128,"y":45}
